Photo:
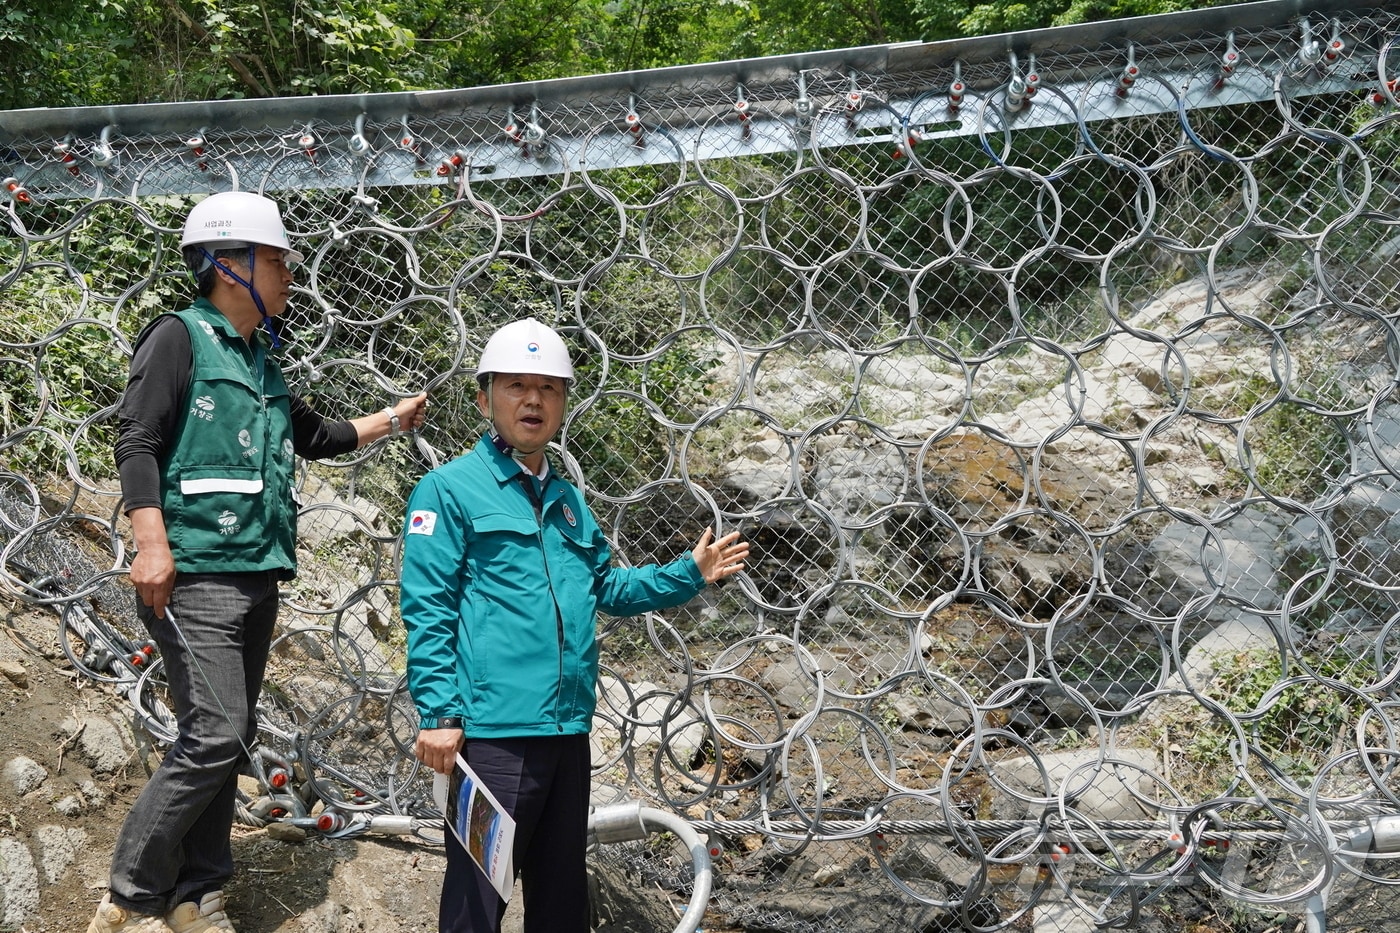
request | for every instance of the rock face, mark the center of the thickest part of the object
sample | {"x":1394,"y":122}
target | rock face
{"x":1001,"y":553}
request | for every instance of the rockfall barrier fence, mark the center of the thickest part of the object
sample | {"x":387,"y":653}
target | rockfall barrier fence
{"x":1052,"y":375}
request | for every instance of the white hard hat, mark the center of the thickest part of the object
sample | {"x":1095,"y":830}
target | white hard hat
{"x":237,"y":218}
{"x":526,"y":346}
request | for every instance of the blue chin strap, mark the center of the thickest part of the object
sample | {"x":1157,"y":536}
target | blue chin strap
{"x":248,"y":284}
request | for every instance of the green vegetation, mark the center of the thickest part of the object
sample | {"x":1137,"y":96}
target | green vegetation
{"x":1297,"y":729}
{"x":59,"y":53}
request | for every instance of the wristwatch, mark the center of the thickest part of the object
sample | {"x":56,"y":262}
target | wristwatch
{"x":440,"y":722}
{"x":394,"y":429}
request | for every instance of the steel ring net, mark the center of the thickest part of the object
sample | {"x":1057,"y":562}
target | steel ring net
{"x":1056,"y":393}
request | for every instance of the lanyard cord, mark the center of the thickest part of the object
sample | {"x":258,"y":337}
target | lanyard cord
{"x":248,"y":284}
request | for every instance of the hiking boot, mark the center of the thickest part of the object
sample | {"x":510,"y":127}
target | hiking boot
{"x":205,"y":917}
{"x":113,"y":919}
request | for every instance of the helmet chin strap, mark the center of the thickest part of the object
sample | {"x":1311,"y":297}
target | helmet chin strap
{"x":248,"y":284}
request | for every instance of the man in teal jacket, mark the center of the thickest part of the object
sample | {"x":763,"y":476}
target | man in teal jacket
{"x":504,"y":571}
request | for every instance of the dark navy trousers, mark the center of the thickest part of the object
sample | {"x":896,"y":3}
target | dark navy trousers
{"x":544,"y":783}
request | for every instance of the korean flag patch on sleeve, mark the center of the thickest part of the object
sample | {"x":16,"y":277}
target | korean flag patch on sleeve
{"x":421,"y":522}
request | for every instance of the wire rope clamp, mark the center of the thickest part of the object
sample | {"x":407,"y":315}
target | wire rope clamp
{"x":16,"y":190}
{"x":1309,"y":50}
{"x":1032,"y":78}
{"x":741,"y":107}
{"x":1336,"y":45}
{"x":63,"y":151}
{"x":358,"y":144}
{"x":904,"y":141}
{"x":854,"y":103}
{"x":198,"y":145}
{"x":802,"y":106}
{"x":1228,"y":61}
{"x":1017,"y":90}
{"x":957,"y":90}
{"x":1129,"y":75}
{"x":620,"y":822}
{"x":633,"y":122}
{"x":408,"y":142}
{"x":103,"y":155}
{"x":452,"y":164}
{"x":307,"y":142}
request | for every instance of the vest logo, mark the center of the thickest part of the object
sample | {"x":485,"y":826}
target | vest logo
{"x":207,"y":328}
{"x":203,"y":408}
{"x":228,"y":523}
{"x":246,"y":440}
{"x":288,"y":451}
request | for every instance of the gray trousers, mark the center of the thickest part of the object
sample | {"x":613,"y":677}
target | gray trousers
{"x":174,"y":845}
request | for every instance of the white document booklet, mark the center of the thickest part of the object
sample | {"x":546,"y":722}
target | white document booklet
{"x":480,"y":823}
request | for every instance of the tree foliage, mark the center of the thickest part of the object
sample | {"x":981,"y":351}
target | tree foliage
{"x":57,"y":53}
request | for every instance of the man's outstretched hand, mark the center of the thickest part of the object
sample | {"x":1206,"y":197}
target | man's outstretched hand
{"x":722,"y":558}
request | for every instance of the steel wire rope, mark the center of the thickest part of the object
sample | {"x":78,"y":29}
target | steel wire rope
{"x":348,"y":780}
{"x":859,"y":138}
{"x":707,"y":685}
{"x":79,"y":577}
{"x":626,"y":148}
{"x":902,"y":868}
{"x":934,"y":699}
{"x":149,"y":704}
{"x":904,"y":192}
{"x":1082,"y":880}
{"x":1245,"y":206}
{"x":921,"y":542}
{"x":995,"y":108}
{"x":863,"y":300}
{"x":1340,"y":195}
{"x":1351,"y":861}
{"x":705,"y":237}
{"x":97,"y":647}
{"x":1143,"y":203}
{"x":486,"y":157}
{"x":1001,"y":249}
{"x":423,"y":214}
{"x":741,"y":136}
{"x":812,"y":821}
{"x":451,"y":245}
{"x":729,"y":311}
{"x":315,"y":186}
{"x":628,"y":301}
{"x":574,"y":237}
{"x":999,"y":707}
{"x":1099,"y":850}
{"x":70,"y":277}
{"x":1297,"y":832}
{"x":1104,"y":108}
{"x":1386,"y":726}
{"x":724,"y":373}
{"x":33,"y":193}
{"x":779,"y":222}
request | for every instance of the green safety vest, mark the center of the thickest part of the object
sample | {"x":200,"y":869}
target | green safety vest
{"x":226,"y":487}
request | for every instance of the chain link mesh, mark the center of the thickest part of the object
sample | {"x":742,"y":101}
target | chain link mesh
{"x":1056,"y":394}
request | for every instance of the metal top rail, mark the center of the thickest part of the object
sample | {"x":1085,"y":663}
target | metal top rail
{"x":680,"y":82}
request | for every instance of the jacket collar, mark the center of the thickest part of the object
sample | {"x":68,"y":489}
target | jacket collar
{"x":503,"y":466}
{"x":220,"y":322}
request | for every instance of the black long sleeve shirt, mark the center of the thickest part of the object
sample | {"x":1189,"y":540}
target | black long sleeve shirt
{"x":154,"y":404}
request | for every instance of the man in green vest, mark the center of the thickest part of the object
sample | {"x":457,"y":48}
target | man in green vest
{"x":208,"y":434}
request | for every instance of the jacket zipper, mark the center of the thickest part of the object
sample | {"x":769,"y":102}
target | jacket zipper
{"x":537,"y":501}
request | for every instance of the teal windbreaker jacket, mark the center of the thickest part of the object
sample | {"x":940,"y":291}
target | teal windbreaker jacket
{"x":500,"y":589}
